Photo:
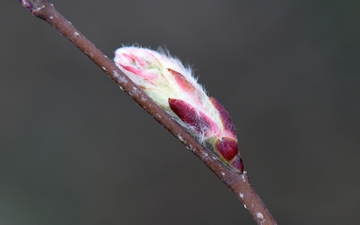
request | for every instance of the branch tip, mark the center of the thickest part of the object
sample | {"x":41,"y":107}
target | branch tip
{"x":33,"y":5}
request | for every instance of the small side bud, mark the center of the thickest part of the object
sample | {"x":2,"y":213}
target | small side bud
{"x":238,"y":164}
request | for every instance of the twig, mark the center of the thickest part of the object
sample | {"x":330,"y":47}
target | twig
{"x":238,"y":183}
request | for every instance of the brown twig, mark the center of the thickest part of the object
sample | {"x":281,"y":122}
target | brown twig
{"x":238,"y":183}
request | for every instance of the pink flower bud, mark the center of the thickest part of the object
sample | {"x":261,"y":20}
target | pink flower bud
{"x":173,"y":87}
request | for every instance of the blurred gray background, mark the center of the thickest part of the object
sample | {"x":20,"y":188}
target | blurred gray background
{"x":75,"y":149}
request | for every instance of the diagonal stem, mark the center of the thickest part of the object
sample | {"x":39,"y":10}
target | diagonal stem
{"x":238,"y":183}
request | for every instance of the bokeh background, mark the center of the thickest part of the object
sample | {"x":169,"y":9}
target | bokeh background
{"x":75,"y":149}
